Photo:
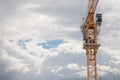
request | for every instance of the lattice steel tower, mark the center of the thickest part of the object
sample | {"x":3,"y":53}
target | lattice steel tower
{"x":90,"y":30}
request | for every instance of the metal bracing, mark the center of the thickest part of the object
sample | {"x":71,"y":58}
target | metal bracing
{"x":90,"y":31}
{"x":91,"y":51}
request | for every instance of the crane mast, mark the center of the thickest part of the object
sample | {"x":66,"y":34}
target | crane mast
{"x":90,"y":31}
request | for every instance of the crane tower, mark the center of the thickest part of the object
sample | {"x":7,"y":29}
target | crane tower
{"x":90,"y":30}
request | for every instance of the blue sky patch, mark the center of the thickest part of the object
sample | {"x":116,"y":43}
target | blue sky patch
{"x":22,"y":42}
{"x":50,"y":44}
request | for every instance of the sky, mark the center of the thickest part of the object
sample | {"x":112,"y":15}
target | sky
{"x":41,"y":40}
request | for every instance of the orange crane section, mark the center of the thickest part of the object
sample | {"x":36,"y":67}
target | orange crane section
{"x":90,"y":31}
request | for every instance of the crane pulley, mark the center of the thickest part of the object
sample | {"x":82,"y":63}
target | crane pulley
{"x":90,"y":31}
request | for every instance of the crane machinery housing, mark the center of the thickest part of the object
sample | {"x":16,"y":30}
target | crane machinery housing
{"x":90,"y":31}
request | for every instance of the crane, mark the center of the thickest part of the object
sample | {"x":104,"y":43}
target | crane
{"x":90,"y":31}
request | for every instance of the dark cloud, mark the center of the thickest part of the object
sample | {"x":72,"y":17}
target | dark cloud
{"x":68,"y":12}
{"x":60,"y":60}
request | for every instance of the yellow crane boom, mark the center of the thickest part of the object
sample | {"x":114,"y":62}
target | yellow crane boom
{"x":90,"y":31}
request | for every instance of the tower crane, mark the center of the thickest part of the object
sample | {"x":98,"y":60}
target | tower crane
{"x":90,"y":31}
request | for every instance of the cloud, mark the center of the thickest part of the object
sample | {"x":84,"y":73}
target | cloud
{"x":73,"y":66}
{"x":15,"y":64}
{"x":67,"y":12}
{"x":106,"y":70}
{"x":26,"y":23}
{"x":55,"y":69}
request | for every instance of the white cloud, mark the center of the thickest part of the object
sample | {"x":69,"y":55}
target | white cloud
{"x":20,"y":59}
{"x":73,"y":66}
{"x":81,"y":73}
{"x":15,"y":64}
{"x":55,"y":69}
{"x":71,"y":47}
{"x":105,"y":70}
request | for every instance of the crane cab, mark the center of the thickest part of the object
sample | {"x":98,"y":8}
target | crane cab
{"x":98,"y":19}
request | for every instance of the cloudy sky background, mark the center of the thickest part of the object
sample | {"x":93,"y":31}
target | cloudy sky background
{"x":41,"y":40}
